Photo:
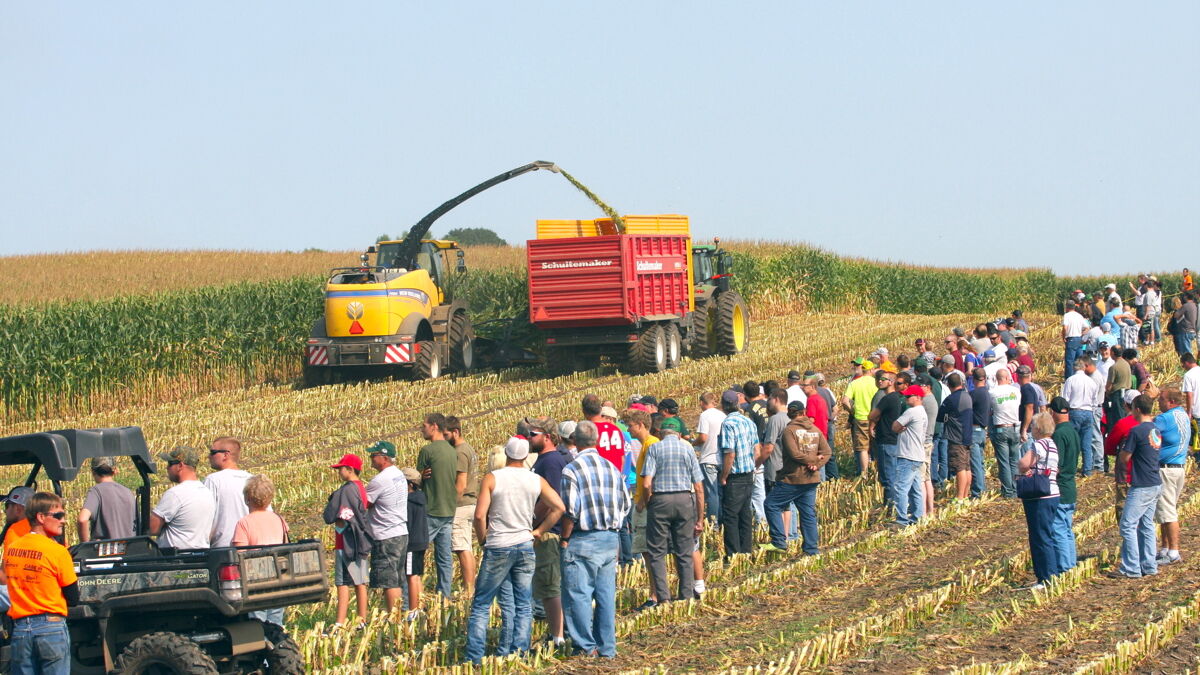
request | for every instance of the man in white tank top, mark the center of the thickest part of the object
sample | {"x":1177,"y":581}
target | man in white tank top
{"x":504,"y":523}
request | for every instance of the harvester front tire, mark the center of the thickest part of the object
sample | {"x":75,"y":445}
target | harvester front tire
{"x":462,"y":343}
{"x":164,"y":652}
{"x":699,"y":342}
{"x":427,"y":364}
{"x":733,"y":324}
{"x":649,"y":353}
{"x":674,"y":345}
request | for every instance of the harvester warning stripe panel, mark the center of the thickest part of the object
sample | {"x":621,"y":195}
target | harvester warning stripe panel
{"x":318,"y":356}
{"x":401,"y":353}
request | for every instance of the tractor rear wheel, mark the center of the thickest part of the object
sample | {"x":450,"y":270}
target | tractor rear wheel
{"x":462,"y":343}
{"x":733,"y":324}
{"x":649,"y":353}
{"x":427,"y":363}
{"x":674,"y":345}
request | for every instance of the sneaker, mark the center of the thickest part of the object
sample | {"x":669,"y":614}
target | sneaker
{"x":646,"y":605}
{"x":413,"y":615}
{"x":1165,"y":558}
{"x":1035,"y":586}
{"x":772,"y":548}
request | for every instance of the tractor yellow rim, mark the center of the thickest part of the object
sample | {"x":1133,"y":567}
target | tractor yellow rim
{"x":739,"y":328}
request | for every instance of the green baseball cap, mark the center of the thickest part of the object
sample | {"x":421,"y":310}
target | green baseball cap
{"x":182,"y":454}
{"x":383,"y":448}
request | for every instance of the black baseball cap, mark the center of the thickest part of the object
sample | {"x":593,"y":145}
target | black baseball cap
{"x":795,"y":406}
{"x":669,"y":405}
{"x":793,"y":374}
{"x":1059,"y":405}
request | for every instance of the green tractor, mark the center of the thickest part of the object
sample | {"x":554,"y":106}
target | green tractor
{"x":721,"y":322}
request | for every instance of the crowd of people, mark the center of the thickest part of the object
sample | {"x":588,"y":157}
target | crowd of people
{"x":560,"y":506}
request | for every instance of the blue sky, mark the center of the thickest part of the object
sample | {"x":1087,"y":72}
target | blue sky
{"x":969,"y":134}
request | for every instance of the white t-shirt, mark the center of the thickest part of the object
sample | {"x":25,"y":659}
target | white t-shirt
{"x":910,"y":443}
{"x":991,"y":369}
{"x":387,"y":494}
{"x":1191,"y":383}
{"x":227,"y":487}
{"x":796,"y":393}
{"x":1006,"y":404}
{"x":1074,"y":323}
{"x":189,"y":510}
{"x":710,"y":424}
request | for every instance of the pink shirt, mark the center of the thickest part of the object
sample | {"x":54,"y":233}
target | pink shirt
{"x":260,"y":528}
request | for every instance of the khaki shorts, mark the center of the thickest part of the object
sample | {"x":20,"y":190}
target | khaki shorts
{"x":925,"y":466}
{"x":460,"y":534}
{"x":1168,"y":498}
{"x":639,"y":531}
{"x":859,"y":440}
{"x":547,"y":573}
{"x":960,"y":458}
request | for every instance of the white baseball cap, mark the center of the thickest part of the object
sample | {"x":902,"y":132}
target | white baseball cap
{"x":516,"y":448}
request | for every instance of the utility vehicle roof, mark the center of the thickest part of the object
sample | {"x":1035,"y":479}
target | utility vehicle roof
{"x":63,"y":453}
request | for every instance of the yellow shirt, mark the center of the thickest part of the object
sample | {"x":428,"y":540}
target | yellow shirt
{"x":860,"y":392}
{"x":641,"y":465}
{"x":38,"y":568}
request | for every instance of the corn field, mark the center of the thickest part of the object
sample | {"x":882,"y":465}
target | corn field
{"x":935,"y":597}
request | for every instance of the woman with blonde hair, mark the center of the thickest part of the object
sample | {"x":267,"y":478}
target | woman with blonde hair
{"x":1037,"y":486}
{"x":261,"y":527}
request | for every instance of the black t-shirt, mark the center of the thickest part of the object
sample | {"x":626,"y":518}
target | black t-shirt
{"x":418,"y":524}
{"x":1028,"y":395}
{"x":759,"y":414}
{"x":981,"y":407}
{"x":891,"y":407}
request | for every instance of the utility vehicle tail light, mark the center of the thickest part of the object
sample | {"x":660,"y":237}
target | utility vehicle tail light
{"x":230,"y":577}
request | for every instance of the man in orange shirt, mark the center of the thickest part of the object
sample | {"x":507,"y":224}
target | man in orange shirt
{"x":42,"y":583}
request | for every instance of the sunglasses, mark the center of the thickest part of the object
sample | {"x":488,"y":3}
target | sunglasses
{"x":536,"y":433}
{"x":175,"y":463}
{"x":214,"y":452}
{"x":58,"y":515}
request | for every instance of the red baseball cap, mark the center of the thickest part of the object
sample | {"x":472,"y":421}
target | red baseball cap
{"x":352,"y":461}
{"x":914,"y":390}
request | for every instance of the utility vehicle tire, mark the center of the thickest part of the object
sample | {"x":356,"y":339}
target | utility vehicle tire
{"x":733,"y":324}
{"x":427,"y":363}
{"x":285,"y":658}
{"x":702,"y":341}
{"x":164,"y":653}
{"x":674,"y":345}
{"x":462,"y":343}
{"x":649,"y":353}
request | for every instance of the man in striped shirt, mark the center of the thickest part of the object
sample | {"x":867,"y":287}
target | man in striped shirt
{"x":597,"y":502}
{"x":739,"y":446}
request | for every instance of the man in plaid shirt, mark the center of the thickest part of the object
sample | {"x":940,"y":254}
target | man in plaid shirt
{"x":673,"y":491}
{"x":739,"y":445}
{"x":597,"y":502}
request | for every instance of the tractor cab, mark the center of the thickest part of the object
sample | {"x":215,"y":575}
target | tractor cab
{"x":712,"y":267}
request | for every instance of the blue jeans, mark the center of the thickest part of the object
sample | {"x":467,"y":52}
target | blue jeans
{"x":274,"y":616}
{"x":1098,"y":459}
{"x":41,"y":646}
{"x":712,"y":490}
{"x":830,"y":470}
{"x":939,"y":463}
{"x":757,"y":496}
{"x":439,"y":537}
{"x":514,"y":564}
{"x":625,"y":537}
{"x":589,"y":565}
{"x":1183,"y":342}
{"x":1138,"y":544}
{"x":910,"y":491}
{"x":1082,"y":421}
{"x":1039,"y":518}
{"x":1073,"y":347}
{"x":1064,"y":536}
{"x":785,"y":495}
{"x":886,"y":461}
{"x":1006,"y":443}
{"x":978,"y":478}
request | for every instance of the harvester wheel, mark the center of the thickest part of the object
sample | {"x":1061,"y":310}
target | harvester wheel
{"x":700,"y":342}
{"x":733,"y":324}
{"x":649,"y":353}
{"x":674,"y":345}
{"x":427,"y":364}
{"x":462,"y":343}
{"x":561,"y":361}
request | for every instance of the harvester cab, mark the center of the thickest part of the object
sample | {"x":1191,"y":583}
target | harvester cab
{"x":397,"y":315}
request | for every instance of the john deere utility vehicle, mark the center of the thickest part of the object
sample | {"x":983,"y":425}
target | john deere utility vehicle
{"x":396,"y":314}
